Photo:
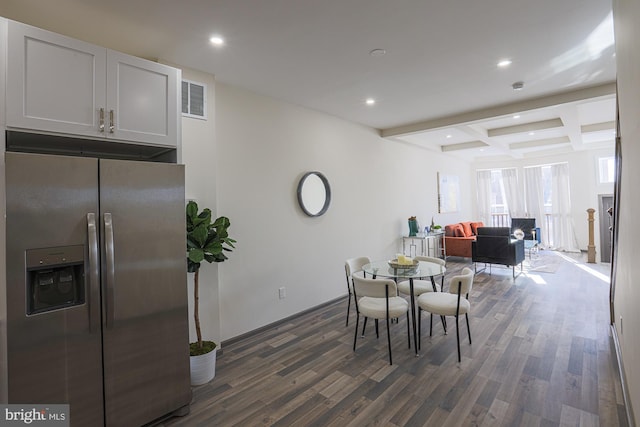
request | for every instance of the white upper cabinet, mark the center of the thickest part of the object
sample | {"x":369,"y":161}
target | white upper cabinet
{"x":62,"y":85}
{"x":142,"y":99}
{"x":54,"y":83}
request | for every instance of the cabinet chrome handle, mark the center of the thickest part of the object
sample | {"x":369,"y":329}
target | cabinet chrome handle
{"x":112,"y":123}
{"x":110,"y":269}
{"x":101,"y":125}
{"x":94,"y":274}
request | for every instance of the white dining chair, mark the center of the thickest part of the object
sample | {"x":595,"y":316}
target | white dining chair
{"x":377,"y":299}
{"x":420,"y":286}
{"x":351,"y":266}
{"x":455,"y":302}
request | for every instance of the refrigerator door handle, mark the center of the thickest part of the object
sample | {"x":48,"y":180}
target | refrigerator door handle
{"x":110,"y":267}
{"x":94,"y":272}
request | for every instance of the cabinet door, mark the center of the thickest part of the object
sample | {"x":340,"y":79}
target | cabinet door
{"x":142,"y":100}
{"x":56,"y":83}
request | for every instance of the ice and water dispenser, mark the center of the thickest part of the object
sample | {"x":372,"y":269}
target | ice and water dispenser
{"x":55,"y":278}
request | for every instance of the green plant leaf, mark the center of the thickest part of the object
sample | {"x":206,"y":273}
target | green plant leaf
{"x":206,"y":241}
{"x":199,"y":235}
{"x":196,"y":255}
{"x":191,"y":243}
{"x":222,"y":222}
{"x":214,"y":247}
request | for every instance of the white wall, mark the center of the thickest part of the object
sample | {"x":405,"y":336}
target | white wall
{"x":627,"y":291}
{"x":199,"y":156}
{"x":264,"y":147}
{"x":585,"y":188}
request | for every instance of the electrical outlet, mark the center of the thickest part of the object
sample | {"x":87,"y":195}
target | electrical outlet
{"x":282,"y":293}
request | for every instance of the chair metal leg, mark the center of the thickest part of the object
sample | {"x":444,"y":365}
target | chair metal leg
{"x":430,"y":324}
{"x":408,"y":331}
{"x":514,"y":271}
{"x":348,"y":309}
{"x":355,"y":337}
{"x":458,"y":339}
{"x":468,"y":329}
{"x":475,"y":268}
{"x":388,"y":339}
{"x":377,"y":332}
{"x":419,"y":328}
{"x":364,"y":326}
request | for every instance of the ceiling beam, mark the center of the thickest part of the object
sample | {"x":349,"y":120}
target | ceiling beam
{"x":597,"y":127}
{"x":606,"y":89}
{"x":463,"y":146}
{"x":526,"y":127}
{"x":539,"y":143}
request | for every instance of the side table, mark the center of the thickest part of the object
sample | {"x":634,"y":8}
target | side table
{"x":531,"y":246}
{"x":431,"y":244}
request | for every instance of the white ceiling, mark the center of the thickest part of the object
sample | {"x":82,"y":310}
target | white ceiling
{"x":438,"y":77}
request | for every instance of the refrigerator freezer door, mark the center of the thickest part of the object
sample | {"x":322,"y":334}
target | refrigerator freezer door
{"x":145,"y":315}
{"x":54,"y":356}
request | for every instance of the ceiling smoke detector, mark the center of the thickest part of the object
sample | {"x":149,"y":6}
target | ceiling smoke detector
{"x":517,"y":85}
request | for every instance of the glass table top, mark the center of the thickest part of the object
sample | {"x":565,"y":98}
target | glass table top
{"x":423,"y":269}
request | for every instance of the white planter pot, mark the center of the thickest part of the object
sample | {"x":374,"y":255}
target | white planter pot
{"x":203,"y":367}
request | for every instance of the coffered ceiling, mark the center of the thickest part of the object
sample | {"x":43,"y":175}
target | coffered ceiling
{"x":430,"y":66}
{"x":577,"y":121}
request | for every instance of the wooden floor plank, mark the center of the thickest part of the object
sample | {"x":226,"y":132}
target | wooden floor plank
{"x":542,"y":355}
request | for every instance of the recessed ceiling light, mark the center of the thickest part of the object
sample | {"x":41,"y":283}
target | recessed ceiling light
{"x":504,"y":63}
{"x":377,"y":52}
{"x":449,"y":136}
{"x":517,"y":116}
{"x":216,"y":40}
{"x":370,"y":101}
{"x":531,"y":133}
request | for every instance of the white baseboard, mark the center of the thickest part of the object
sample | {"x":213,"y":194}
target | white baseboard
{"x":623,"y":378}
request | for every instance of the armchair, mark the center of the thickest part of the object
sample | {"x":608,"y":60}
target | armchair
{"x":528,"y":226}
{"x":494,"y":245}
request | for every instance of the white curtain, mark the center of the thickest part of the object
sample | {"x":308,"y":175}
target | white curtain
{"x":513,"y":193}
{"x":564,"y":236}
{"x":483,"y":183}
{"x":534,"y":192}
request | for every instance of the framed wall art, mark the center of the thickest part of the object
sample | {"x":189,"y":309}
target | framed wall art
{"x":448,"y":193}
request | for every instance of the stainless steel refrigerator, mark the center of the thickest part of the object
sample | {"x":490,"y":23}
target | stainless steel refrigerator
{"x":96,"y":292}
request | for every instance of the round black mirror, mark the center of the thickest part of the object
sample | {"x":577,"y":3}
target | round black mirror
{"x":314,"y":193}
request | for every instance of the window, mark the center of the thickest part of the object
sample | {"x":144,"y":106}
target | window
{"x":606,"y":170}
{"x":194,"y":99}
{"x":498,"y":198}
{"x":496,"y":192}
{"x":547,"y":189}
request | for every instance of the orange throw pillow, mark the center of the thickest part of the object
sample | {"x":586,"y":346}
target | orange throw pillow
{"x":466,"y":228}
{"x":474,"y":227}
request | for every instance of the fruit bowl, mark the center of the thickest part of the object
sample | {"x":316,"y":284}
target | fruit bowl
{"x":395,"y":264}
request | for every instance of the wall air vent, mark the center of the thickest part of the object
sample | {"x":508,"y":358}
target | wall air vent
{"x":194,"y":99}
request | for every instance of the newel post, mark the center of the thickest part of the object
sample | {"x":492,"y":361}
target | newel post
{"x":591,"y":247}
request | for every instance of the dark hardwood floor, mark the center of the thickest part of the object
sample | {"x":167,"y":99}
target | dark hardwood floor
{"x":542,"y":355}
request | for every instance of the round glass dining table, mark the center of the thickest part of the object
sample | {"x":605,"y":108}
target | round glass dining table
{"x":422,"y":270}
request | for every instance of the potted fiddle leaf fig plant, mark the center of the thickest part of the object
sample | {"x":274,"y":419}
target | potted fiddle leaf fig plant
{"x":206,"y":241}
